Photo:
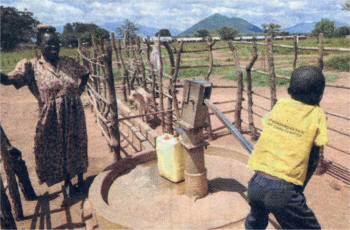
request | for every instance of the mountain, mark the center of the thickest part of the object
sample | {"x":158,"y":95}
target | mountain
{"x":143,"y":30}
{"x":306,"y":28}
{"x":216,"y":21}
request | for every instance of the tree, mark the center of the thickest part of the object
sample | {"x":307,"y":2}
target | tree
{"x":83,"y":31}
{"x":128,"y":30}
{"x":202,"y":33}
{"x":227,"y":33}
{"x":68,"y":37}
{"x":324,"y":26}
{"x":271,"y":29}
{"x":163,"y":33}
{"x":16,"y":27}
{"x":342,"y":31}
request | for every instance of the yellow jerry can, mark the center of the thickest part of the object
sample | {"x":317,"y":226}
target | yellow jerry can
{"x":171,"y":157}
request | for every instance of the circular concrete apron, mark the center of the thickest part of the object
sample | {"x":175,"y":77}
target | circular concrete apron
{"x":141,"y":199}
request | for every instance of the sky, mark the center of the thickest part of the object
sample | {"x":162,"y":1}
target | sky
{"x":181,"y":14}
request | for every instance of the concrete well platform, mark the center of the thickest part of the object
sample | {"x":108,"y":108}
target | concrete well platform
{"x":131,"y":194}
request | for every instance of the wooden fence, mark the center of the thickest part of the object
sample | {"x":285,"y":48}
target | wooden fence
{"x":101,"y":91}
{"x":133,"y":58}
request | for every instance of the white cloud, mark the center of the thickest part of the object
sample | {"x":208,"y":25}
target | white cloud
{"x":180,"y":14}
{"x":296,"y":5}
{"x":50,"y":12}
{"x":224,"y":10}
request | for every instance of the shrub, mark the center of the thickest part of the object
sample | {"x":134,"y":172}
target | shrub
{"x":341,"y":63}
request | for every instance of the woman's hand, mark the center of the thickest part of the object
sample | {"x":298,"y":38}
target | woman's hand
{"x":18,"y":77}
{"x":4,"y":79}
{"x":28,"y":68}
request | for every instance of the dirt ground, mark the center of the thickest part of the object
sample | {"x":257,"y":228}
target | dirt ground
{"x":327,"y":196}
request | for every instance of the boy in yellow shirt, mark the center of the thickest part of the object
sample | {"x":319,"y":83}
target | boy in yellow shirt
{"x":293,"y":130}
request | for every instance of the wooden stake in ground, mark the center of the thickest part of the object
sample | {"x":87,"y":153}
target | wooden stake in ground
{"x":140,"y":63}
{"x":210,"y":44}
{"x":160,"y":75}
{"x":271,"y":72}
{"x":113,"y":126}
{"x":120,"y":63}
{"x":238,"y":110}
{"x":320,"y":51}
{"x":295,"y":52}
{"x":6,"y":217}
{"x":152,"y":76}
{"x":170,"y":88}
{"x":15,"y":166}
{"x":252,"y":128}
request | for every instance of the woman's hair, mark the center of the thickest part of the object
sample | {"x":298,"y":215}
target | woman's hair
{"x":42,"y":29}
{"x":307,"y":84}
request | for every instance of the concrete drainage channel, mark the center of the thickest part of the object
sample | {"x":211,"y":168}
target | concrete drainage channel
{"x":130,"y":194}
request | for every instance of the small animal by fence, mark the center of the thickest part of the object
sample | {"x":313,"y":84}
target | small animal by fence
{"x":142,"y":101}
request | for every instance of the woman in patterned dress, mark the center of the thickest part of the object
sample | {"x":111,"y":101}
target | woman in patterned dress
{"x":57,"y":83}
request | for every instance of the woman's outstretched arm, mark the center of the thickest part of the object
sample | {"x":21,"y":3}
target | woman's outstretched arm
{"x":19,"y":76}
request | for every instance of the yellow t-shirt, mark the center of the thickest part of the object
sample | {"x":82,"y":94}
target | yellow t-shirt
{"x":290,"y":130}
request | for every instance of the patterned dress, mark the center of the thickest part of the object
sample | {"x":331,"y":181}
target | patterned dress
{"x":61,"y":139}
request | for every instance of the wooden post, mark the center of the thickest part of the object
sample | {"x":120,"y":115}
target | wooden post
{"x":10,"y":174}
{"x":252,"y":128}
{"x":126,"y":82}
{"x":113,"y":126}
{"x":154,"y":92}
{"x":171,"y":88}
{"x":176,"y":72}
{"x":271,"y":72}
{"x":122,"y":64}
{"x":238,"y":109}
{"x":153,"y":76}
{"x":98,"y":68}
{"x":148,"y":48}
{"x":117,"y":51}
{"x":126,"y":45}
{"x":210,"y":44}
{"x":160,"y":75}
{"x":320,"y":51}
{"x":295,"y":52}
{"x":6,"y":217}
{"x":140,"y":63}
{"x":263,"y":59}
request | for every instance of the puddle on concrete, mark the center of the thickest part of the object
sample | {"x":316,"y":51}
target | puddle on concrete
{"x":161,"y":182}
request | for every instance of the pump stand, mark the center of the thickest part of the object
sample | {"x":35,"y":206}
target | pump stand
{"x":190,"y":127}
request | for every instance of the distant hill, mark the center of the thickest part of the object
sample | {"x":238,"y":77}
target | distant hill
{"x":307,"y":27}
{"x":216,"y":21}
{"x":143,"y":30}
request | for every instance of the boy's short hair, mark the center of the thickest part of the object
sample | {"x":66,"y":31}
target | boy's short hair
{"x":307,"y":84}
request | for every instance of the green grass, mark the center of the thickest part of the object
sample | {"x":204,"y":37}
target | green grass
{"x":258,"y":79}
{"x":263,"y":80}
{"x":283,"y":59}
{"x":8,"y":60}
{"x":312,"y":42}
{"x":339,"y":63}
